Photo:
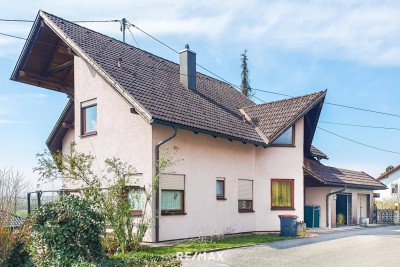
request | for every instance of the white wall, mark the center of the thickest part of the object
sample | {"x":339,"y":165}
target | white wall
{"x":393,"y":178}
{"x":204,"y":158}
{"x":120,"y":133}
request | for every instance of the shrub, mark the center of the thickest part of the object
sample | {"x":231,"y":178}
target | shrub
{"x":66,"y":232}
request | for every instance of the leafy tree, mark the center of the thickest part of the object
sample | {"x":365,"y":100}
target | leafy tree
{"x":111,"y":202}
{"x":389,"y":168}
{"x":245,"y":85}
{"x":66,"y":232}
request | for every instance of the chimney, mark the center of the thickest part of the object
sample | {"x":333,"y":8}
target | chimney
{"x":188,"y":68}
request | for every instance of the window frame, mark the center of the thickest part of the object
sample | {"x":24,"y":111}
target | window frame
{"x":220,"y":179}
{"x":173,"y":212}
{"x":251,"y":208}
{"x":291,"y":194}
{"x":395,"y":186}
{"x":293,"y":144}
{"x":139,"y":188}
{"x":83,"y":117}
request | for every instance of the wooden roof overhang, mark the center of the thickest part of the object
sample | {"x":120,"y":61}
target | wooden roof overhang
{"x":46,"y":61}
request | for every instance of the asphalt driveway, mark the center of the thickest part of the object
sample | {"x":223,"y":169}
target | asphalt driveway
{"x":378,"y":246}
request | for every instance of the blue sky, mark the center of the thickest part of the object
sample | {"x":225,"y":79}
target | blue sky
{"x":351,"y":48}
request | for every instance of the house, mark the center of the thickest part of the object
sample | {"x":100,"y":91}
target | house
{"x":344,"y":196}
{"x":240,"y":164}
{"x":391,"y":179}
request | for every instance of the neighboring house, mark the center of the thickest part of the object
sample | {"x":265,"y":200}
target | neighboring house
{"x":338,"y":191}
{"x":240,"y":164}
{"x":10,"y":221}
{"x":392,"y":180}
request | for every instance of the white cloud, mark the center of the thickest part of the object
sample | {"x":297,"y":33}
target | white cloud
{"x":367,"y":32}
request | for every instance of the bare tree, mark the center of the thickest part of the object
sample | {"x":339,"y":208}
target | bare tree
{"x":12,"y":186}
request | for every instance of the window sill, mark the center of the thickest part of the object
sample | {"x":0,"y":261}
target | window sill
{"x":246,"y":211}
{"x":88,"y":134}
{"x":221,"y":198}
{"x":137,"y":213}
{"x":172,"y":213}
{"x":282,"y":145}
{"x":282,"y":208}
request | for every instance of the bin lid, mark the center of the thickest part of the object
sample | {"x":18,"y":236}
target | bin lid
{"x":288,"y":216}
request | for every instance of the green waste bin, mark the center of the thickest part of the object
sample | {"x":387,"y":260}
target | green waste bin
{"x":312,"y":215}
{"x":288,"y":224}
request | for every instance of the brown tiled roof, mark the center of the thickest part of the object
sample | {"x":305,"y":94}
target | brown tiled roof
{"x":154,"y":84}
{"x":315,"y":152}
{"x":385,"y":174}
{"x":331,"y":175}
{"x":275,"y":117}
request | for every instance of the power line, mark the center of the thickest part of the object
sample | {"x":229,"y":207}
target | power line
{"x":129,"y":29}
{"x":359,"y":125}
{"x":16,"y":20}
{"x":154,"y":38}
{"x":334,"y":104}
{"x":376,"y":148}
{"x":74,"y":21}
{"x":351,"y":140}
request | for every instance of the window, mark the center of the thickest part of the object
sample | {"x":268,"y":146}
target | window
{"x":89,"y":117}
{"x":136,"y":199}
{"x":172,"y":194}
{"x":245,"y":195}
{"x":285,"y":139}
{"x":282,"y":193}
{"x":395,"y":188}
{"x":220,"y":188}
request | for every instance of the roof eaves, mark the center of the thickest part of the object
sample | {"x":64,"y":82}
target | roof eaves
{"x":58,"y":125}
{"x":309,"y":172}
{"x":298,"y":116}
{"x":139,"y":108}
{"x":28,"y":43}
{"x":385,"y":174}
{"x":203,"y":131}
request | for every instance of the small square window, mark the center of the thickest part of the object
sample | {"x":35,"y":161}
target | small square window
{"x":220,"y":188}
{"x":136,"y":200}
{"x":89,"y":118}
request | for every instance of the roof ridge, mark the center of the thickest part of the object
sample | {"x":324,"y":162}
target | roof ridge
{"x":144,"y":51}
{"x":285,"y":99}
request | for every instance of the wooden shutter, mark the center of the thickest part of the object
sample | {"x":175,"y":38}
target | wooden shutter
{"x":172,"y":181}
{"x":88,"y":103}
{"x":135,"y":179}
{"x":245,"y":190}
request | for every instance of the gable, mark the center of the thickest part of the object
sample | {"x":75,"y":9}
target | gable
{"x":151,"y":85}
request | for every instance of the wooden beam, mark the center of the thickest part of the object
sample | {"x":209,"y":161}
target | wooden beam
{"x":40,"y":78}
{"x":60,"y":68}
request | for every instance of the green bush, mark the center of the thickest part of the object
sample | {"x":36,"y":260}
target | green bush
{"x":66,"y":232}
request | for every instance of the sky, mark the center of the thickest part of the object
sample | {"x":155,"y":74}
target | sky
{"x":350,"y":47}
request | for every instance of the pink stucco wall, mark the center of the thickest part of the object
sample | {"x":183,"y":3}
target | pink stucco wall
{"x":202,"y":159}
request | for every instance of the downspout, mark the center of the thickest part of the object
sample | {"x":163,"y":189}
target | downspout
{"x":157,"y":151}
{"x":327,"y":203}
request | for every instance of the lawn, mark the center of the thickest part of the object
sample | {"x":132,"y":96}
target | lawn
{"x":197,"y":246}
{"x":22,"y":213}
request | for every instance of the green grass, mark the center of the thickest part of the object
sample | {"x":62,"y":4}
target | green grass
{"x":22,"y":213}
{"x":197,"y":246}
